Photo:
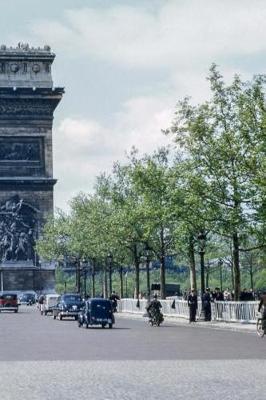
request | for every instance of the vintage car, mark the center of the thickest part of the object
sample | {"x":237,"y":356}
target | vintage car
{"x":50,"y":302}
{"x":8,"y":301}
{"x":27,"y":298}
{"x":69,"y":305}
{"x":96,"y":312}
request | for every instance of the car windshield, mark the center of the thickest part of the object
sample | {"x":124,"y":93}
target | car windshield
{"x":8,"y":296}
{"x":27,"y":296}
{"x":71,"y":298}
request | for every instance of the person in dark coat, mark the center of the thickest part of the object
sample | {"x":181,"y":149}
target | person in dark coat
{"x":114,"y":297}
{"x":206,"y":304}
{"x":262,"y":309}
{"x":193,"y":305}
{"x":219,"y":295}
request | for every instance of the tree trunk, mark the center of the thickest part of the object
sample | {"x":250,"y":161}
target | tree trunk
{"x":121,"y":282}
{"x":105,"y":285}
{"x":136,"y":262}
{"x":192,"y":264}
{"x":93,"y":276}
{"x":162,"y":276}
{"x":251,"y":273}
{"x":237,"y":282}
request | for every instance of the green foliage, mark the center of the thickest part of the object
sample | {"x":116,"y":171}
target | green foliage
{"x":214,"y":184}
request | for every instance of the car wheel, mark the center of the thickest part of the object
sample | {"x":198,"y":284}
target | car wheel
{"x":103,"y":326}
{"x":76,"y":317}
{"x":110,"y":326}
{"x":16,"y":311}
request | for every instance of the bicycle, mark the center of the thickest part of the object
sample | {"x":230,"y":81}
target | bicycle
{"x":259,"y":327}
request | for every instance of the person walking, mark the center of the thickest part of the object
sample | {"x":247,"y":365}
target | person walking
{"x":193,"y":305}
{"x":41,"y":303}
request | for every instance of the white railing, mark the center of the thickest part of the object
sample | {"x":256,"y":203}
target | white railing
{"x":228,"y":311}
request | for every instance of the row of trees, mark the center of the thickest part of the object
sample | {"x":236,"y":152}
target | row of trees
{"x":211,"y":186}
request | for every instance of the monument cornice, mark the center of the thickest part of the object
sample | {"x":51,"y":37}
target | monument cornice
{"x":27,"y":183}
{"x":29,"y":103}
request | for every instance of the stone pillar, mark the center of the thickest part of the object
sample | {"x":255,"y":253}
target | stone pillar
{"x":27,"y":103}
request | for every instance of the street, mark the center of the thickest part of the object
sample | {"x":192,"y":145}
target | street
{"x":42,"y":358}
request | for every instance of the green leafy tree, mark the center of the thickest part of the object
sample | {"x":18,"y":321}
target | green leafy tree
{"x":223,"y":139}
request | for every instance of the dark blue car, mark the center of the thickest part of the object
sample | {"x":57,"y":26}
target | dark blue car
{"x":96,"y":312}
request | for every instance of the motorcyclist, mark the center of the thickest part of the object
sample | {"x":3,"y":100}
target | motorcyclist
{"x":154,"y":308}
{"x":262,"y":309}
{"x":114,"y":297}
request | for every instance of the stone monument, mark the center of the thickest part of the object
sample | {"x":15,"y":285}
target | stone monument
{"x":27,"y":103}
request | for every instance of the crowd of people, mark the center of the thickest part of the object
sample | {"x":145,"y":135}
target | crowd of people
{"x":217,"y":294}
{"x":228,"y":295}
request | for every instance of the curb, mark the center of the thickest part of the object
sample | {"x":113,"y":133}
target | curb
{"x":225,"y":326}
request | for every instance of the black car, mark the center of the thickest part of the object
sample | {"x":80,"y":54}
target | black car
{"x":27,"y":298}
{"x":69,"y":305}
{"x":96,"y":312}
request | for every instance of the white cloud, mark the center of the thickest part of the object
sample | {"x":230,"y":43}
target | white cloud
{"x":83,"y":148}
{"x":178,"y":33}
{"x":177,"y":42}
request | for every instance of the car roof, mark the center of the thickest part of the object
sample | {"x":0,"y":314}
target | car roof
{"x":99,"y":299}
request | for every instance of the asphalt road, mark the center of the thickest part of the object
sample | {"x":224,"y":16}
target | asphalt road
{"x":42,"y":358}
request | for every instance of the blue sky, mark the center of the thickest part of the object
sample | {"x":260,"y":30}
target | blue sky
{"x":125,"y":64}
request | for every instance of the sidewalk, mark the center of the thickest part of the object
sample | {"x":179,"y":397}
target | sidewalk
{"x":228,"y":326}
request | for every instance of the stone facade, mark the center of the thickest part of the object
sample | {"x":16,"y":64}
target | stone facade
{"x":27,"y":103}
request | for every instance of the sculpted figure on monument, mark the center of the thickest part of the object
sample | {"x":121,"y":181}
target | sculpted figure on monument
{"x":17,"y":237}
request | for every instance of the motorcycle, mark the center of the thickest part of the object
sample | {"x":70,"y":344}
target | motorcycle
{"x":155,"y":317}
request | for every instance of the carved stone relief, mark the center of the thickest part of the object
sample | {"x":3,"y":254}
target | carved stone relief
{"x":25,"y":107}
{"x":18,"y":228}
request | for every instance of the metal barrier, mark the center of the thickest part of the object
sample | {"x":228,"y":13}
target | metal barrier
{"x":227,"y":311}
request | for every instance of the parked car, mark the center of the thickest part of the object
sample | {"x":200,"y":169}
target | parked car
{"x":97,"y":312}
{"x":27,"y":298}
{"x":8,"y":301}
{"x":50,"y":302}
{"x":69,"y":305}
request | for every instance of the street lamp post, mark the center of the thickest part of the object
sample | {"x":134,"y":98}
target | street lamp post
{"x":77,"y":262}
{"x":110,"y":262}
{"x":147,"y":261}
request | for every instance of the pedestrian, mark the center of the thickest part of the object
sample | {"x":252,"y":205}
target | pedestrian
{"x":41,"y":303}
{"x":206,"y":305}
{"x":227,"y":295}
{"x":193,"y":305}
{"x":219,"y":295}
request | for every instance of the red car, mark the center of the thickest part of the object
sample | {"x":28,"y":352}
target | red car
{"x":8,"y":302}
